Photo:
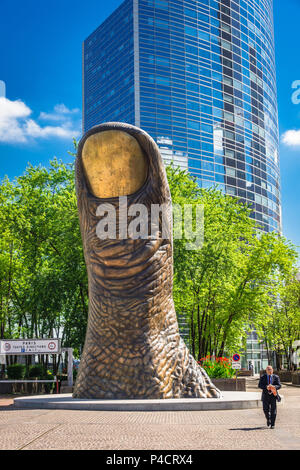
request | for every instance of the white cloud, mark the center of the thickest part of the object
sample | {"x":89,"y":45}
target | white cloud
{"x":16,"y":125}
{"x":291,"y":138}
{"x":60,"y":113}
{"x":36,"y":131}
{"x":12,"y":113}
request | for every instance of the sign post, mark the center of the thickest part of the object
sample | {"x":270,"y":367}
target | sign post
{"x":70,"y":365}
{"x":236,"y":364}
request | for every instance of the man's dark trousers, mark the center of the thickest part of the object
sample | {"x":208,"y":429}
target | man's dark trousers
{"x":270,"y":409}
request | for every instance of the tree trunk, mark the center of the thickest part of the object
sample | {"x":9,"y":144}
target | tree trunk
{"x":193,"y":332}
{"x":223,"y":343}
{"x":278,"y":360}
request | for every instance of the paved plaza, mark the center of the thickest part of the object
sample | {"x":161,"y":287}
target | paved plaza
{"x":168,"y":430}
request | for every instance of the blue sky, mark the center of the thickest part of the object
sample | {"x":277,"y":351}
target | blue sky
{"x":41,"y":66}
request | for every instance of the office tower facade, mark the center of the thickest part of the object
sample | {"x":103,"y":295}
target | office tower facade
{"x":199,"y":77}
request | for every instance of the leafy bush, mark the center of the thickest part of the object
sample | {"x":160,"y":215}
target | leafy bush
{"x":48,"y":375}
{"x":36,"y":370}
{"x":16,"y":371}
{"x":217,"y":368}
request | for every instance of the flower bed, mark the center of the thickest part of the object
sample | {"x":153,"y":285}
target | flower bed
{"x":221,"y":374}
{"x":217,"y":367}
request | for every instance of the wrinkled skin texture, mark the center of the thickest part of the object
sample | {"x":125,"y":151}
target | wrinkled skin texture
{"x":133,"y":349}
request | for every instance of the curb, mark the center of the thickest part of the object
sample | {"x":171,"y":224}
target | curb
{"x":229,"y":401}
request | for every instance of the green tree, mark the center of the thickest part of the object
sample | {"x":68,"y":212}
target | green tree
{"x":43,"y":282}
{"x":280,"y":326}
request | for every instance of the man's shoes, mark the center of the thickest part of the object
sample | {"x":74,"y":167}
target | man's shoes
{"x":272,"y":427}
{"x":268,"y":423}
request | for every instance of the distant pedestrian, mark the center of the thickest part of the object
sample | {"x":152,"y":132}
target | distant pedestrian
{"x":270,"y":384}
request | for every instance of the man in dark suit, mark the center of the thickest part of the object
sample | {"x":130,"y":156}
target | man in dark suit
{"x":269,"y":383}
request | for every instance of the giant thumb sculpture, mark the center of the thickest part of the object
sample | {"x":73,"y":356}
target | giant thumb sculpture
{"x":132,"y":349}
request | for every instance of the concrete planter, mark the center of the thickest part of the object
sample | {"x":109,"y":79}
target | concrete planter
{"x":263,"y":372}
{"x":229,"y":385}
{"x":245,"y":373}
{"x":64,"y":387}
{"x":285,"y":375}
{"x":296,"y":378}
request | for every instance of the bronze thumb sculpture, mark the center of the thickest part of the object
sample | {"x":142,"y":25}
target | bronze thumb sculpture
{"x":132,"y":348}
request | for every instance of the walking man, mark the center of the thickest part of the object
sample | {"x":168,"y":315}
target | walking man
{"x":269,"y":383}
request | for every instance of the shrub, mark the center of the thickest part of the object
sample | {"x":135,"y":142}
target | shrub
{"x":16,"y":371}
{"x":36,"y":371}
{"x":48,"y":375}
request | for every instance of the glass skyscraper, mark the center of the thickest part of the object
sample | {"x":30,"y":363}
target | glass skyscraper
{"x":199,"y":77}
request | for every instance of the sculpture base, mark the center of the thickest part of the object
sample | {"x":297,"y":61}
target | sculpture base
{"x":229,"y":401}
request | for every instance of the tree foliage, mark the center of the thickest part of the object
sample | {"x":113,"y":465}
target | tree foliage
{"x":280,"y":326}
